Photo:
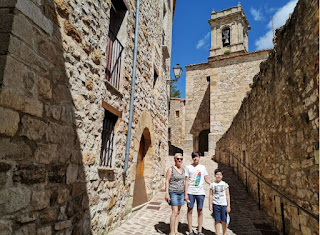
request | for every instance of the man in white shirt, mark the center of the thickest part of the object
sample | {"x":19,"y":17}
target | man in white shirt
{"x":195,"y":174}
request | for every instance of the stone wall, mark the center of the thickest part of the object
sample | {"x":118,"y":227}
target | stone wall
{"x":212,"y":105}
{"x":51,"y":114}
{"x":275,"y":133}
{"x":176,"y":125}
{"x":197,"y":108}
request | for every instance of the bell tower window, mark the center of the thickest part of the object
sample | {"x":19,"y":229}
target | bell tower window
{"x":226,"y":37}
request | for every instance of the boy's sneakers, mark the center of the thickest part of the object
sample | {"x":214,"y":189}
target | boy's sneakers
{"x":200,"y":233}
{"x":192,"y":233}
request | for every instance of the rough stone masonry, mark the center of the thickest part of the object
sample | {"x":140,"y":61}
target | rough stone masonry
{"x":276,"y":131}
{"x":55,"y":99}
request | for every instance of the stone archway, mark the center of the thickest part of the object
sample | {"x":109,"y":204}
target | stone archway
{"x":144,"y":146}
{"x":203,"y":141}
{"x":139,"y":192}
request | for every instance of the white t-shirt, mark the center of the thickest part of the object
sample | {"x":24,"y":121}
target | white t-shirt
{"x":219,"y":193}
{"x":196,"y":176}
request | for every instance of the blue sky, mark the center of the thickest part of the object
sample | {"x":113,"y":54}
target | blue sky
{"x":191,"y":30}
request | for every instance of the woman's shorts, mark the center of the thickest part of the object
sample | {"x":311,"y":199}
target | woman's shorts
{"x":220,"y":213}
{"x":176,"y":198}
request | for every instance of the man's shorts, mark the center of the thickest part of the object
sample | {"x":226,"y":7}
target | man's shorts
{"x":198,"y":198}
{"x":220,"y":213}
{"x":176,"y":198}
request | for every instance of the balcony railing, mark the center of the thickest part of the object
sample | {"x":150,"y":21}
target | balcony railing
{"x":113,"y":60}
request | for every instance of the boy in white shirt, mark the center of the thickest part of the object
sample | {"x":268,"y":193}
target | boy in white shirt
{"x":195,"y":174}
{"x":219,"y":200}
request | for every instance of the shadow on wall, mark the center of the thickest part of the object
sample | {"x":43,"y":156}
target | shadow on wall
{"x":45,"y":185}
{"x":202,"y":119}
{"x":7,"y":17}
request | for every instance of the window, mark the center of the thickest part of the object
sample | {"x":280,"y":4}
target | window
{"x":159,"y":148}
{"x":177,"y":113}
{"x":114,"y":47}
{"x":169,"y":133}
{"x":155,"y":77}
{"x":226,"y":37}
{"x":107,"y":150}
{"x":164,"y":10}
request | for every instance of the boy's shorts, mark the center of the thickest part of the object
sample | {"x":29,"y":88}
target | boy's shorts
{"x":198,"y":198}
{"x":220,"y":213}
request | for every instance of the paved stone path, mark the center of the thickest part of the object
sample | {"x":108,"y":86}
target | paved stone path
{"x":245,"y":216}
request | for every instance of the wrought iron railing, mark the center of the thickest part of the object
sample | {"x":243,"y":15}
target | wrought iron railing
{"x":113,"y":60}
{"x":262,"y":180}
{"x":107,"y":150}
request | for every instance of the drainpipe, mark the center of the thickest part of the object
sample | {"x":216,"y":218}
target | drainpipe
{"x":136,"y":35}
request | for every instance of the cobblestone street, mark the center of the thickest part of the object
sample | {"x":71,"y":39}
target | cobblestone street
{"x":245,"y":215}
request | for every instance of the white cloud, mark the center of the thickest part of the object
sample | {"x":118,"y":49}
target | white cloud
{"x":269,"y":10}
{"x":278,"y":19}
{"x":282,"y":15}
{"x":257,"y":16}
{"x":265,"y":41}
{"x":204,"y":41}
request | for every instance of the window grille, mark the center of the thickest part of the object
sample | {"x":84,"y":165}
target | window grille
{"x":107,"y":150}
{"x":113,"y":60}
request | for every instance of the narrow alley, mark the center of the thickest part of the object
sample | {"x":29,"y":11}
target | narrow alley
{"x":245,"y":216}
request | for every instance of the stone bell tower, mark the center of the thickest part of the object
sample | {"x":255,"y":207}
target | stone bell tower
{"x":229,"y":31}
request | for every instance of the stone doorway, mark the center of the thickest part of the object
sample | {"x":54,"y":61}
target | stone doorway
{"x":203,"y":141}
{"x":139,"y":192}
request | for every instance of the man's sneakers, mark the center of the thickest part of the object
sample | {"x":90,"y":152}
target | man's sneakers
{"x":200,"y":233}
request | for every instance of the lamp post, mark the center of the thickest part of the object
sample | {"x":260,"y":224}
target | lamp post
{"x":177,"y":71}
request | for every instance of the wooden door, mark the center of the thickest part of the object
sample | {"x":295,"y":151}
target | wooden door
{"x":139,"y":193}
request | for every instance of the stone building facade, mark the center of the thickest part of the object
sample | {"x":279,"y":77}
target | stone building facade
{"x":215,"y":89}
{"x":176,"y":125}
{"x":65,"y":78}
{"x":275,"y":135}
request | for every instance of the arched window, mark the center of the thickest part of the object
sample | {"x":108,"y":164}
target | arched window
{"x":226,"y":37}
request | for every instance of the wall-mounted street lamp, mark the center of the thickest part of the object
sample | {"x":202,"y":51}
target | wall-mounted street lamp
{"x":177,"y":70}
